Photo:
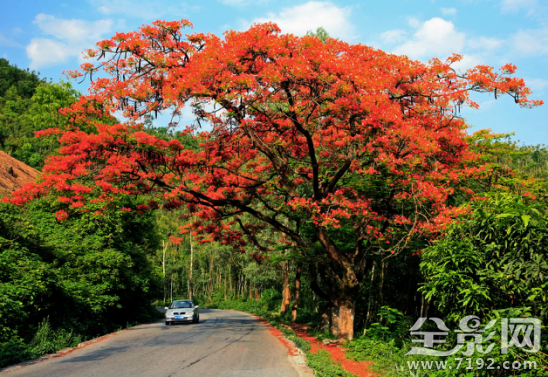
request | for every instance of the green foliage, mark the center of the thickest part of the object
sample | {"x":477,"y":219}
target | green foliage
{"x":322,"y":334}
{"x":320,"y":33}
{"x":324,"y":366}
{"x":388,"y":359}
{"x":167,"y":133}
{"x":89,"y":275}
{"x":385,"y":343}
{"x":495,"y":258}
{"x":252,"y":306}
{"x":392,"y":326}
{"x":14,"y":351}
{"x":47,"y":340}
{"x":499,"y":149}
{"x":271,"y":298}
{"x":23,"y":81}
{"x":21,"y":117}
{"x":301,"y":343}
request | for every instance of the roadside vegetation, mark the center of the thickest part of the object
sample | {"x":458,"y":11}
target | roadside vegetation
{"x":99,"y":242}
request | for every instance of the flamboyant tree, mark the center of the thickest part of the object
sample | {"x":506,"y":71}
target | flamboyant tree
{"x":310,"y":140}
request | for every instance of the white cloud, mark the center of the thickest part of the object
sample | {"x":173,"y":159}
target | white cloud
{"x":434,"y":38}
{"x":484,"y":43}
{"x":71,"y":38}
{"x":531,"y":42}
{"x":44,"y":52}
{"x":537,"y":85}
{"x":448,"y":11}
{"x":413,"y":22}
{"x":393,"y":36}
{"x":516,"y":5}
{"x":311,"y":15}
{"x":468,"y":61}
{"x":72,"y":30}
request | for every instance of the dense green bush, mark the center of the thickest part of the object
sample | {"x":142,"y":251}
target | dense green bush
{"x":47,"y":340}
{"x":391,"y":326}
{"x":494,"y":258}
{"x":89,"y":275}
{"x":14,"y":351}
{"x":490,"y":263}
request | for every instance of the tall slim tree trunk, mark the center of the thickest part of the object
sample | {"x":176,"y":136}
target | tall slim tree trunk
{"x":286,"y":292}
{"x":211,"y":279}
{"x":164,"y":249}
{"x":191,"y":267}
{"x":225,"y":285}
{"x":297,"y":292}
{"x":368,"y":317}
{"x":230,"y":281}
{"x":381,"y":286}
{"x":219,"y":278}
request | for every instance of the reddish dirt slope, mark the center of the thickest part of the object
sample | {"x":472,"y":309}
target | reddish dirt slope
{"x":14,"y":174}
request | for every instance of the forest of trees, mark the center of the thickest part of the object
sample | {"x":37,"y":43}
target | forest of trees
{"x":75,"y":257}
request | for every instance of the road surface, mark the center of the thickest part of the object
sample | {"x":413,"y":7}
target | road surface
{"x":224,"y":343}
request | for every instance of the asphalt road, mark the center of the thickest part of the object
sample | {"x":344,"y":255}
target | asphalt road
{"x":224,"y":343}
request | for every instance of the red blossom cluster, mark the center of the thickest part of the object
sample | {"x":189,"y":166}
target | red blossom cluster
{"x":335,"y":133}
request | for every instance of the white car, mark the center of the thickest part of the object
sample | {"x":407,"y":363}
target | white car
{"x":182,"y":311}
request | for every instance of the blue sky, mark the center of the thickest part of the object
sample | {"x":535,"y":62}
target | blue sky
{"x":48,"y":36}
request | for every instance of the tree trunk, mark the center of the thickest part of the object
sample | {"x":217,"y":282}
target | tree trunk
{"x":325,"y":318}
{"x":230,"y":281}
{"x":164,"y":249}
{"x":225,"y":285}
{"x":342,"y":319}
{"x":368,"y":317}
{"x":297,"y":292}
{"x":342,"y":284}
{"x":286,"y":293}
{"x":339,"y":312}
{"x":381,"y":286}
{"x":210,"y":279}
{"x":191,"y":266}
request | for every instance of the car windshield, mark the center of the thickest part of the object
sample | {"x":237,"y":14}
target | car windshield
{"x":181,"y":305}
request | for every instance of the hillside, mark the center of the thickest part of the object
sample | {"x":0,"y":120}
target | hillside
{"x":14,"y":174}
